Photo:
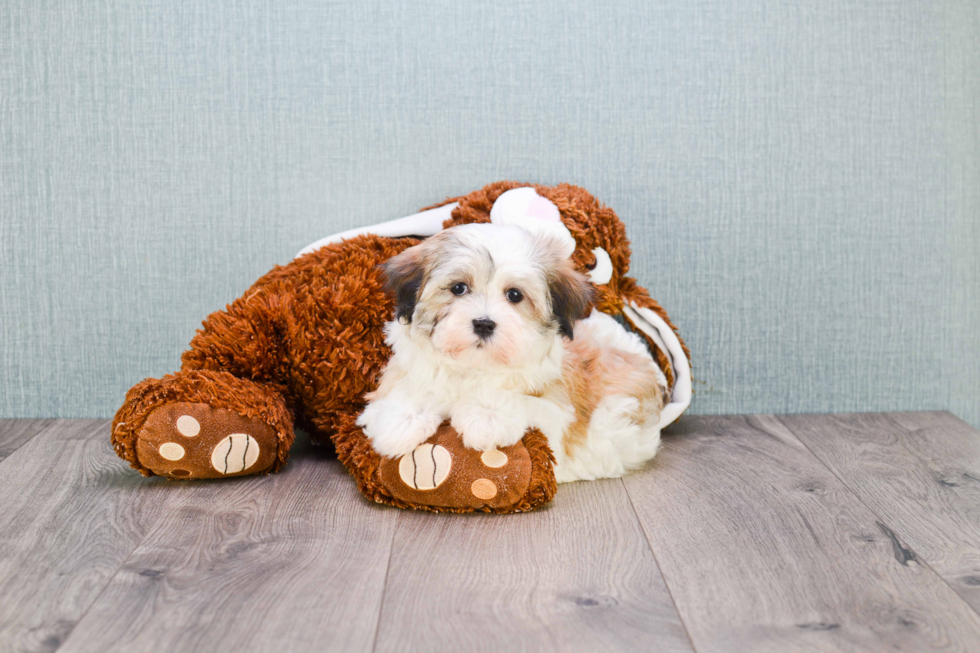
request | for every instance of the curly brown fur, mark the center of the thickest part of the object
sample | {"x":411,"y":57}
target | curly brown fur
{"x":312,"y":329}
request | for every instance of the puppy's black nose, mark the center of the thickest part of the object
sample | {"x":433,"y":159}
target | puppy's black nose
{"x":483,"y":327}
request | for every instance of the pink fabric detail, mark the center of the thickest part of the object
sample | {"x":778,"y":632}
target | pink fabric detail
{"x":542,"y":209}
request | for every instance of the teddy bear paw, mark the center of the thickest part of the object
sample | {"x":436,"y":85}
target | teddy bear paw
{"x":444,"y":473}
{"x":194,"y":440}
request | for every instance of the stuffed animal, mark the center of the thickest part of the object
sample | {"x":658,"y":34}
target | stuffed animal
{"x":305,"y":344}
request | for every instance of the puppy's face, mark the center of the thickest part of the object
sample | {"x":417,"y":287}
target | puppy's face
{"x":488,"y":295}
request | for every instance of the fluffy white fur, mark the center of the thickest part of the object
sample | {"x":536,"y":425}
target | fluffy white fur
{"x":595,"y":396}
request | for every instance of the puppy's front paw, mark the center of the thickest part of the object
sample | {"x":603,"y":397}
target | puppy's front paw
{"x":397,"y":428}
{"x":484,"y":429}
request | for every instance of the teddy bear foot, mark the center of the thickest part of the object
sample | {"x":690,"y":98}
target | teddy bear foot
{"x":194,"y":440}
{"x":444,"y":475}
{"x":202,"y":424}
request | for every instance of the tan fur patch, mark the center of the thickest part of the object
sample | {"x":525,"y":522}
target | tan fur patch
{"x":593,"y":372}
{"x":389,"y":379}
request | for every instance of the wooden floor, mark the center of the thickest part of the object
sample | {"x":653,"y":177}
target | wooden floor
{"x":762,"y":533}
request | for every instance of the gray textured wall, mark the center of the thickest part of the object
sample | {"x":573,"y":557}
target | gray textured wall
{"x":800,"y":179}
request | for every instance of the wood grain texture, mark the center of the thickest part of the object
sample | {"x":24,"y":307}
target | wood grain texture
{"x":853,"y":541}
{"x":15,"y":432}
{"x":71,"y":514}
{"x":294,"y":561}
{"x":577,"y":576}
{"x":919,"y":472}
{"x":764,"y":549}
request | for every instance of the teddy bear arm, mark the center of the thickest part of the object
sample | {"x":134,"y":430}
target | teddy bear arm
{"x":244,"y":340}
{"x":226,"y":412}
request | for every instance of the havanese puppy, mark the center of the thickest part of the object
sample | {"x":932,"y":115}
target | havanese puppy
{"x":490,"y":333}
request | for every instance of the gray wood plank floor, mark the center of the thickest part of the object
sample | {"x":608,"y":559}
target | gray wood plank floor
{"x":578,"y":577}
{"x":919,"y":473}
{"x":15,"y":432}
{"x":761,"y":533}
{"x":765,"y":549}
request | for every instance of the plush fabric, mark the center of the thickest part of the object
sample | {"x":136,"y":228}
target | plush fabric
{"x":218,"y":444}
{"x":218,"y":390}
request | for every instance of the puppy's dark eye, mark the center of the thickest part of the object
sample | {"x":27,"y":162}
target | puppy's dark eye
{"x":514,"y":296}
{"x":459,"y":288}
{"x":591,"y":266}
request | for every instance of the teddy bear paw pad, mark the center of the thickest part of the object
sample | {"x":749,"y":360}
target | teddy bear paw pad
{"x":425,"y":468}
{"x":195,"y":440}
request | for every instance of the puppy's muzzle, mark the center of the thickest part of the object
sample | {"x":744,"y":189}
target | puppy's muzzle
{"x":484,"y":327}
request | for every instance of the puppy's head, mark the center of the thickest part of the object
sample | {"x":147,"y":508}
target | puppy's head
{"x":488,"y":294}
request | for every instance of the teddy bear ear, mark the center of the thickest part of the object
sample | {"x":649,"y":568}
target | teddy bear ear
{"x":523,"y":207}
{"x":602,"y":270}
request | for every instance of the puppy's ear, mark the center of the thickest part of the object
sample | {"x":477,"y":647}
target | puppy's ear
{"x":571,"y":297}
{"x":404,"y":276}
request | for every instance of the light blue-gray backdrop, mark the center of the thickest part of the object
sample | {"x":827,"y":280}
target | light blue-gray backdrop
{"x":800,"y":179}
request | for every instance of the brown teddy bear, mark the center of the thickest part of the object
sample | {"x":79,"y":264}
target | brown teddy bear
{"x":305,"y":344}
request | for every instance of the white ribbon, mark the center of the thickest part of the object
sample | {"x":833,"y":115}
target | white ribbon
{"x":426,"y":223}
{"x":654,"y":326}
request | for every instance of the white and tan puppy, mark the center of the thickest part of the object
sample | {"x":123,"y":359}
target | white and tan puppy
{"x":488,"y":333}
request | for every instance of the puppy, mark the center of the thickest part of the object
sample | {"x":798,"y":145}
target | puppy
{"x":490,"y":332}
